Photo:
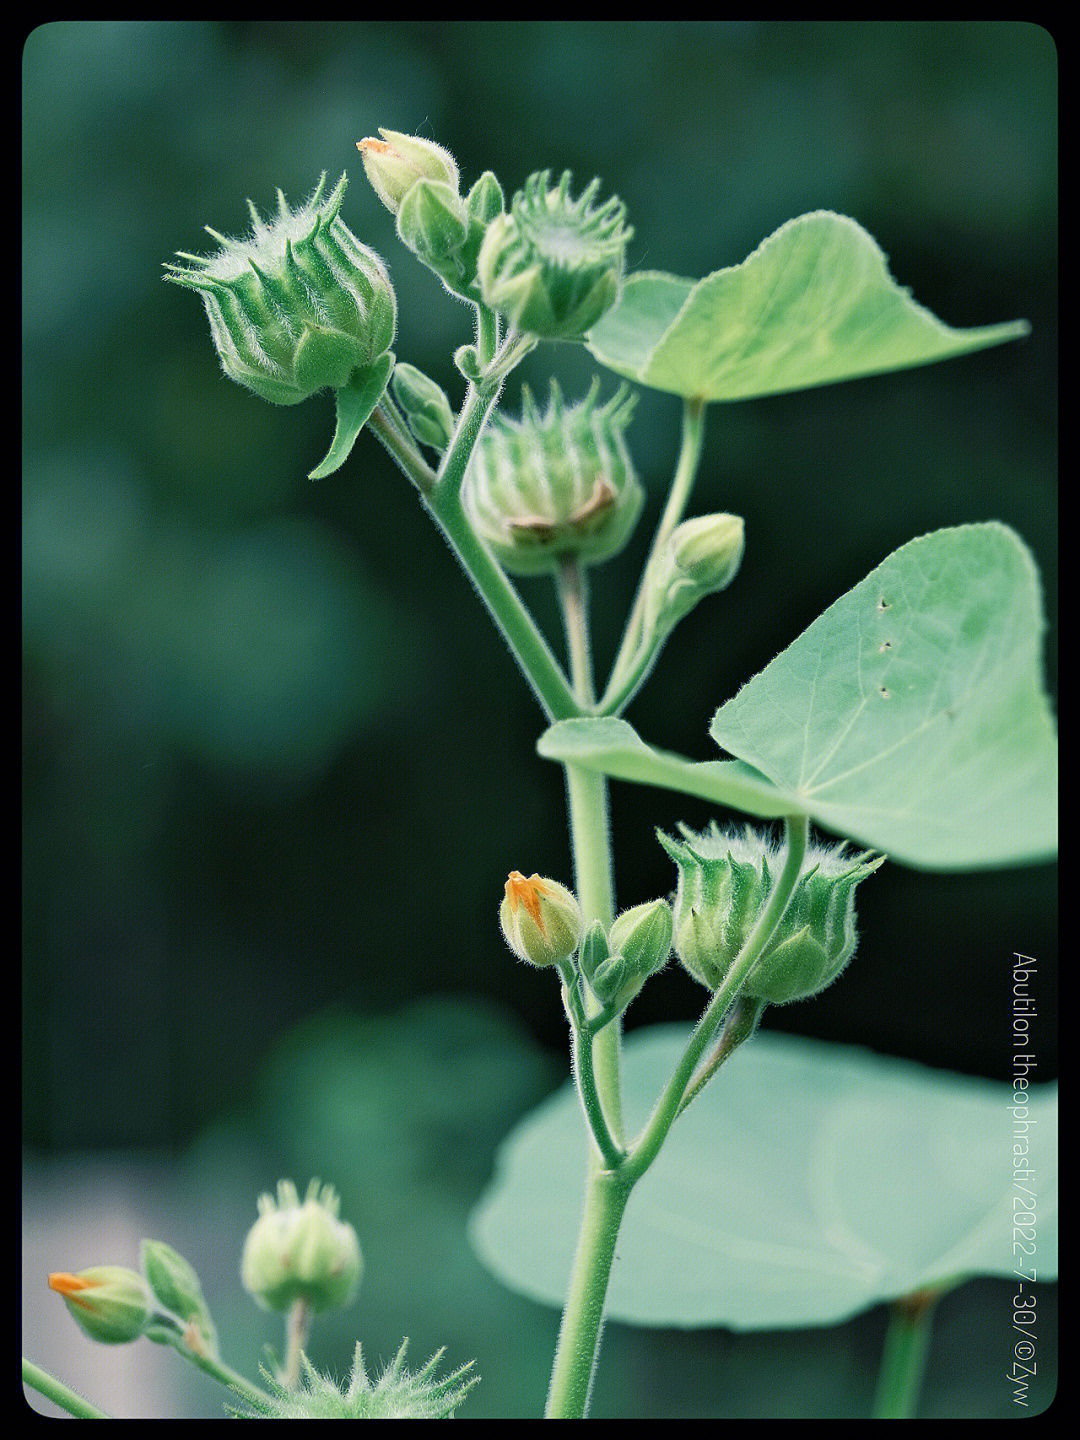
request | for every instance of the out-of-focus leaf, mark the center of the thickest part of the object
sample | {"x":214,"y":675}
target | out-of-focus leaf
{"x":808,"y":1182}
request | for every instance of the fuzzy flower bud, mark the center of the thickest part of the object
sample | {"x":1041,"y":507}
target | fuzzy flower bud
{"x":541,"y":920}
{"x":298,"y":307}
{"x":425,"y":406}
{"x":701,"y":556}
{"x":552,"y":265}
{"x":396,"y":162}
{"x":111,"y":1304}
{"x":555,"y":485}
{"x":725,"y":881}
{"x":301,"y":1251}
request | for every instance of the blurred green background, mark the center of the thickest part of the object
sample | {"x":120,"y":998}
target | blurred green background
{"x":277,"y":762}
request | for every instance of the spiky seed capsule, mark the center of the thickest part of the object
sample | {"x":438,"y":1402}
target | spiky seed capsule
{"x":551,"y":264}
{"x":110,"y":1303}
{"x":394,"y":1395}
{"x":725,"y":881}
{"x":540,"y":919}
{"x":300,"y":305}
{"x":301,"y":1250}
{"x":557,"y":484}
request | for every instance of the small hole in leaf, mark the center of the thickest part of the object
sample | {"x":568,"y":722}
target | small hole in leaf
{"x":885,"y":694}
{"x":883,"y":604}
{"x":885,"y":645}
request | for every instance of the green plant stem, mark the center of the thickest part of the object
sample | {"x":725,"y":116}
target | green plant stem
{"x":583,"y":1317}
{"x":741,"y":1022}
{"x":630,"y":668}
{"x":487,"y":333}
{"x":297,"y":1330}
{"x":441,"y":494}
{"x":47,"y":1385}
{"x":903,"y":1361}
{"x":644,"y":1152}
{"x":214,"y":1366}
{"x":605,"y":1193}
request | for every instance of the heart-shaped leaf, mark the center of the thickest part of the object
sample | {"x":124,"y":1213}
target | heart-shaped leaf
{"x":813,"y":304}
{"x":910,"y":716}
{"x":807,"y":1182}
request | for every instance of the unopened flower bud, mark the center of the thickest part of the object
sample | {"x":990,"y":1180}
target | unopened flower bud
{"x":396,"y":162}
{"x":552,"y":265}
{"x":642,"y":936}
{"x":299,"y":306}
{"x":425,"y":406}
{"x":594,"y":950}
{"x":485,"y":200}
{"x":434,"y":224}
{"x":541,"y":920}
{"x":176,"y":1286}
{"x":301,"y":1250}
{"x":701,"y":556}
{"x":725,"y":881}
{"x":111,"y":1304}
{"x":551,"y":486}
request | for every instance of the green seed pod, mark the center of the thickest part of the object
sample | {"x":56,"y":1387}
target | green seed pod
{"x":722,"y":887}
{"x":176,"y":1287}
{"x":301,"y":1251}
{"x":817,"y":936}
{"x":111,"y":1304}
{"x":298,"y":307}
{"x":701,"y":557}
{"x":553,"y":265}
{"x":394,"y":1394}
{"x":725,"y":881}
{"x":425,"y":406}
{"x":396,"y":162}
{"x":541,"y":920}
{"x":557,"y":485}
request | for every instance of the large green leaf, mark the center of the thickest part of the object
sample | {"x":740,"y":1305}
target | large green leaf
{"x":910,"y":716}
{"x":814,"y":303}
{"x":807,"y":1182}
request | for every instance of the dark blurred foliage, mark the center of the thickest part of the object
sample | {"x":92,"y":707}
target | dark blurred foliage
{"x":277,"y":759}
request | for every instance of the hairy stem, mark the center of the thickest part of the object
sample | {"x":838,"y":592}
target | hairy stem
{"x":59,"y":1393}
{"x":605,"y":1193}
{"x":629,"y":670}
{"x":667,"y":1107}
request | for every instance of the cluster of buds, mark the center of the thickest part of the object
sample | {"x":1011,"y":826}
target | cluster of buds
{"x":419,"y":183}
{"x":725,"y":881}
{"x":542,"y":923}
{"x":616,"y":965}
{"x":555,"y":485}
{"x":553,"y":265}
{"x":301,"y":1250}
{"x":701,"y":557}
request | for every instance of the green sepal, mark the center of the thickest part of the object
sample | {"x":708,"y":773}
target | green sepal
{"x":326,"y":357}
{"x":176,"y":1285}
{"x":355,"y":401}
